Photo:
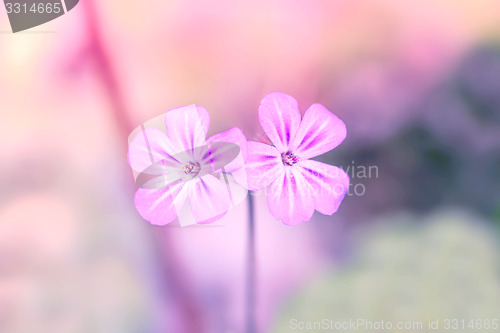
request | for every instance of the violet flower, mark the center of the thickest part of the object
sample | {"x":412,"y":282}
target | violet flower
{"x":298,"y":185}
{"x":183,"y":166}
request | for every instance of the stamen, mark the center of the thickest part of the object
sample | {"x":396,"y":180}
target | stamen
{"x":191,"y":168}
{"x":289,"y":158}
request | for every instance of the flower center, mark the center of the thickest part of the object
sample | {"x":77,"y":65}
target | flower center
{"x":191,"y":168}
{"x":289,"y":159}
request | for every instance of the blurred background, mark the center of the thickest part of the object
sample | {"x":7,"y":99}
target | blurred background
{"x":417,"y":83}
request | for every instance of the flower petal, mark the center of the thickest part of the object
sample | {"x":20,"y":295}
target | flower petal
{"x":209,"y":198}
{"x":236,"y":136}
{"x":149,"y":146}
{"x":240,"y":177}
{"x":237,"y":192}
{"x":289,"y":198}
{"x":216,"y":156}
{"x":158,"y":177}
{"x":329,"y":185}
{"x":320,"y":131}
{"x":160,"y":206}
{"x":213,"y":219}
{"x":263,"y":166}
{"x":279,"y":116}
{"x":187,"y":128}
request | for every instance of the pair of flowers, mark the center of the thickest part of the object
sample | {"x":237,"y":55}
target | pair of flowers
{"x":183,"y":167}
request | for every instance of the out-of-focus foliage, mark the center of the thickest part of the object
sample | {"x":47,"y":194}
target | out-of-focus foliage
{"x":408,"y":268}
{"x":449,"y":154}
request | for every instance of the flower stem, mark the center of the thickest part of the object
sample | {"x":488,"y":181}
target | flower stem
{"x":250,"y":281}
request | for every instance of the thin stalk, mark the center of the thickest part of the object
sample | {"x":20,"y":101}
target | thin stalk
{"x":170,"y":266}
{"x":250,"y":280}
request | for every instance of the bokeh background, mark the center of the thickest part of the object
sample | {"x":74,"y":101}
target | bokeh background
{"x":417,"y":83}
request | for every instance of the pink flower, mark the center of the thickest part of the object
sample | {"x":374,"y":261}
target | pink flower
{"x":183,"y":166}
{"x":298,"y":185}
